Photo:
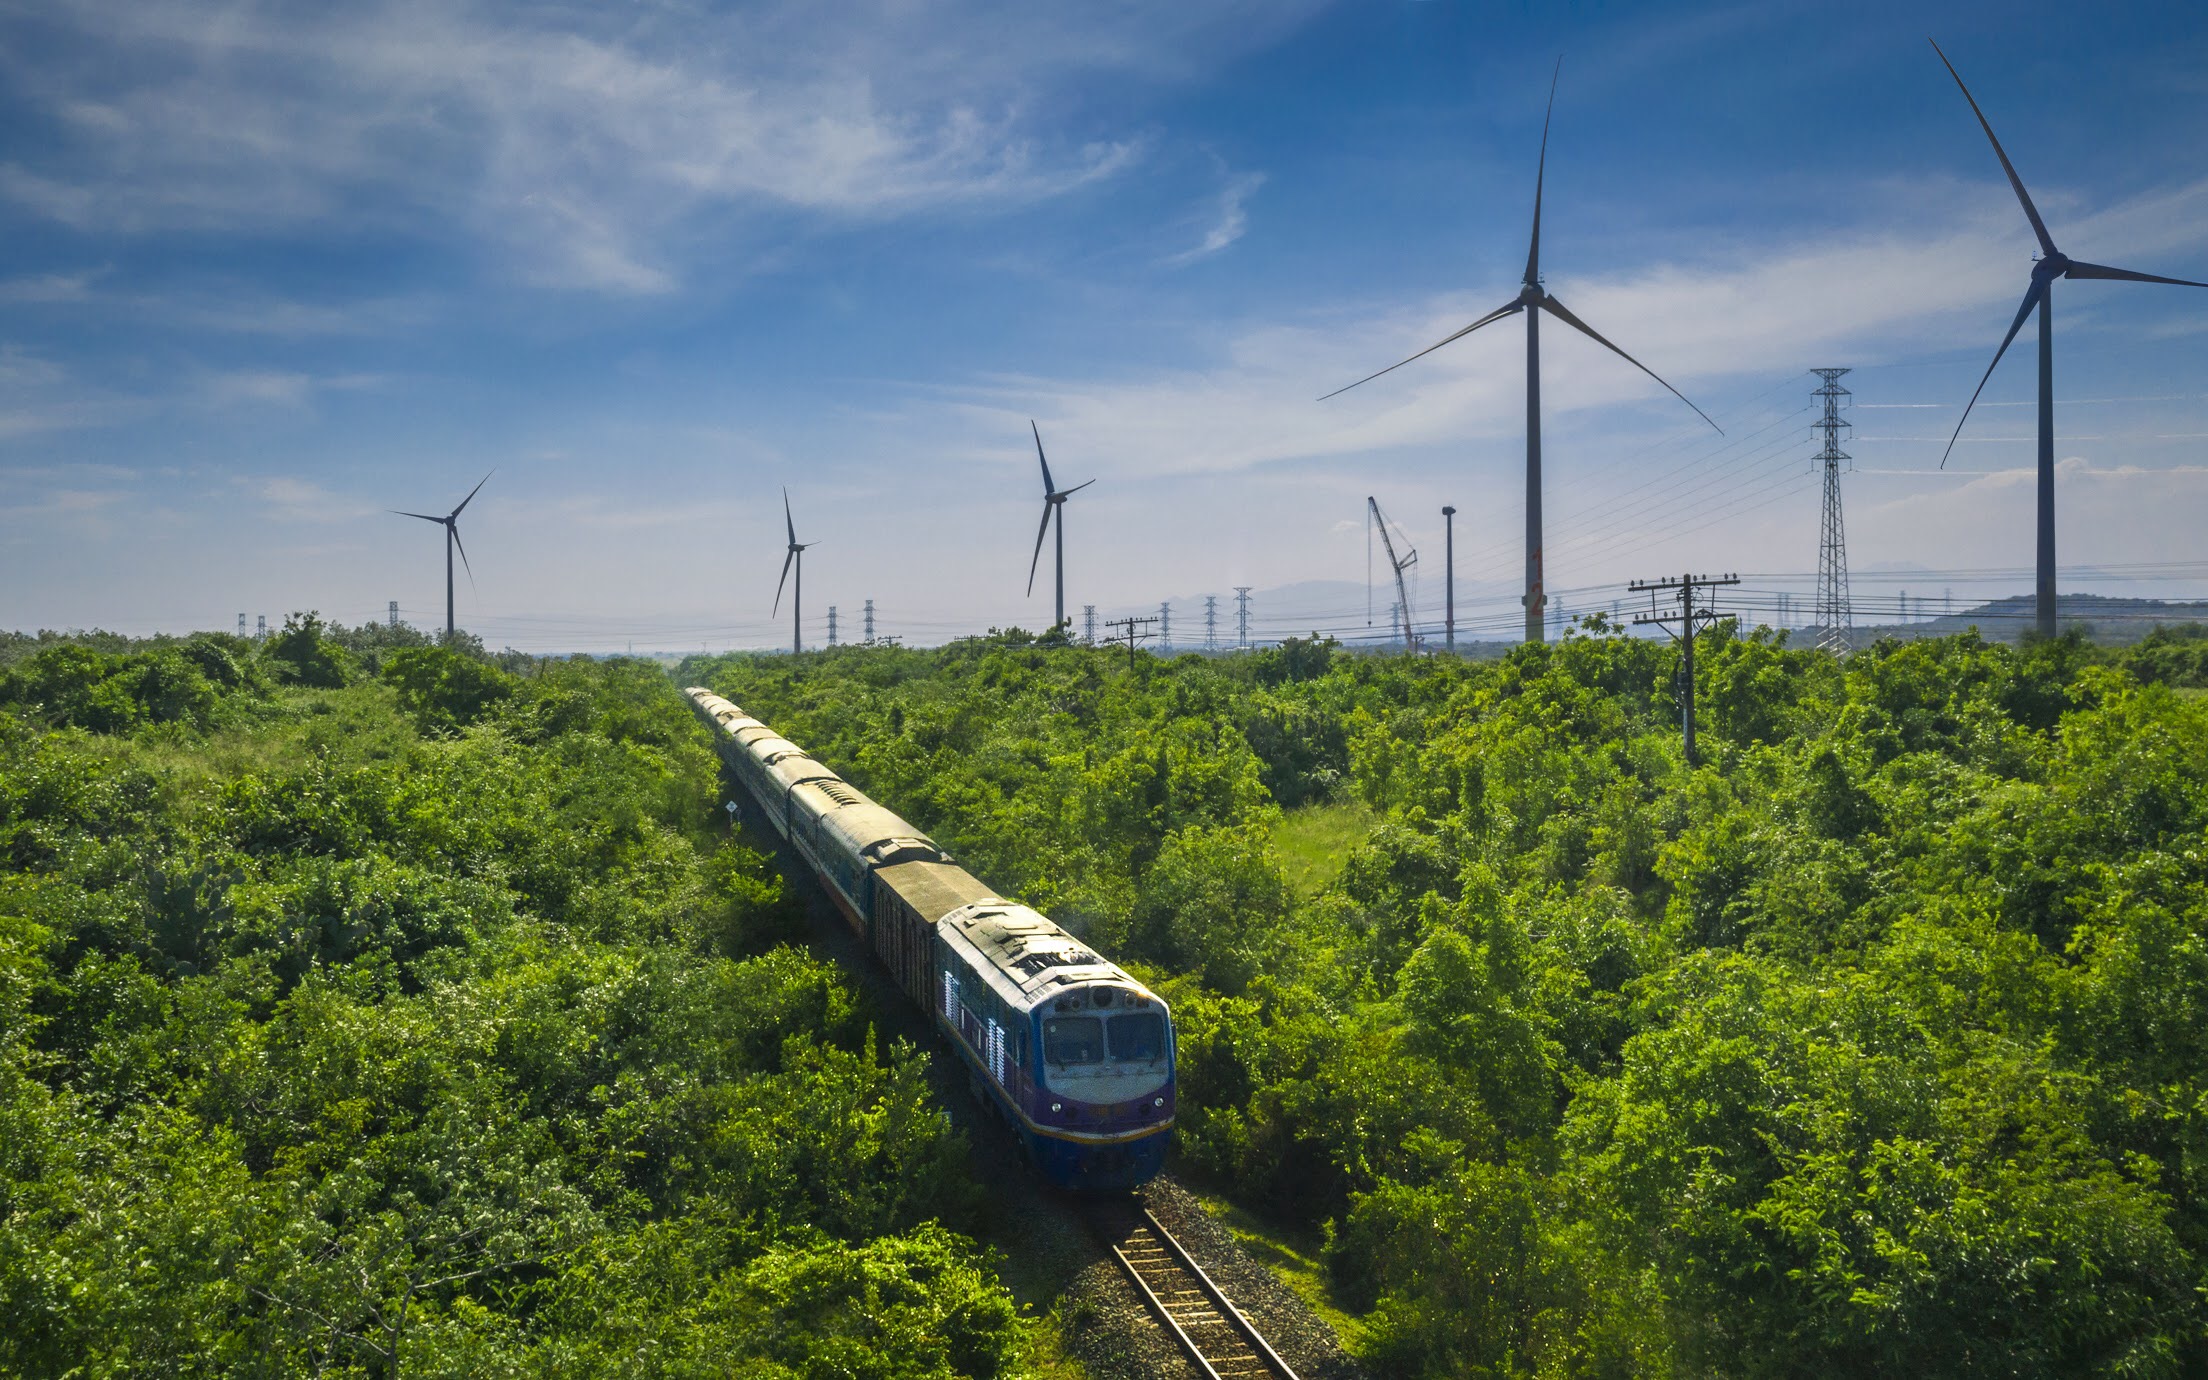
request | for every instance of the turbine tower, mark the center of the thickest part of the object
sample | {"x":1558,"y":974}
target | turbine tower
{"x":1533,"y":299}
{"x":2052,"y":264}
{"x":451,"y":523}
{"x":1054,"y":503}
{"x":796,"y":556}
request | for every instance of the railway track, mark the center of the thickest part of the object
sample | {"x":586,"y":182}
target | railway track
{"x":1211,"y":1331}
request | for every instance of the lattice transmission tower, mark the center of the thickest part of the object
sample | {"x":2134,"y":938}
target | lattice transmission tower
{"x":1834,"y":619}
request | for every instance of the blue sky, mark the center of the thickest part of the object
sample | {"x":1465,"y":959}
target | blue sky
{"x":271,"y":270}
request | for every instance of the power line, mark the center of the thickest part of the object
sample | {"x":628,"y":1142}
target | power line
{"x":1136,"y":629}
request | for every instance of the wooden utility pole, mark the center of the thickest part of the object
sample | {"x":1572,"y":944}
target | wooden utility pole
{"x":1135,"y":628}
{"x":1691,"y":620}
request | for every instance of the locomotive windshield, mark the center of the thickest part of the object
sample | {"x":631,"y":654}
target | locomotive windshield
{"x":1073,"y":1040}
{"x":1137,"y":1037}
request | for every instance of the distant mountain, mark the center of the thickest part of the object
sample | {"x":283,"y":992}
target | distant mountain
{"x":2110,"y":621}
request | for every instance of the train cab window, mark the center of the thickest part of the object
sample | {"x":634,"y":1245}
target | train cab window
{"x":1073,"y":1040}
{"x":1138,"y":1037}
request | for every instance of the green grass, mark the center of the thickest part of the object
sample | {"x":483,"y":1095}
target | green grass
{"x":1313,"y":842}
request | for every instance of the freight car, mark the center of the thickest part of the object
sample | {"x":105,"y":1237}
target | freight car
{"x":1073,"y":1053}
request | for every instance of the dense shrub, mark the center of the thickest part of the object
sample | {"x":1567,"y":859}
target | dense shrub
{"x":1872,"y":1044}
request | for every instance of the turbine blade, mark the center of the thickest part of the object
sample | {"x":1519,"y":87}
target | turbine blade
{"x":1556,"y":309}
{"x":423,"y":516}
{"x":462,"y":547}
{"x":1541,"y":172}
{"x":1048,"y":486}
{"x":1037,"y":560}
{"x":2024,"y":198}
{"x":2032,"y":295}
{"x":1075,"y":489}
{"x":2123,"y":275}
{"x":473,"y":492}
{"x":778,"y":584}
{"x":1495,"y":315}
{"x":787,"y":520}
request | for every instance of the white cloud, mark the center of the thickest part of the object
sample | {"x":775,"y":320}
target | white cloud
{"x":590,"y":146}
{"x":289,"y":498}
{"x":277,"y":387}
{"x":1866,"y":296}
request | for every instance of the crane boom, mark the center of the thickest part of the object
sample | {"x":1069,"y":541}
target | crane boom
{"x":1410,"y":558}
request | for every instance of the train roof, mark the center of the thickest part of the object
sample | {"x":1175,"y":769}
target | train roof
{"x":934,"y":889}
{"x":872,"y":831}
{"x":1023,"y":951}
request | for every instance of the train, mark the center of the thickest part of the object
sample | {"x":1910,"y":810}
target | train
{"x":1071,"y":1051}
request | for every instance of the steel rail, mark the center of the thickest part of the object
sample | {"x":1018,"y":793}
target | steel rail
{"x":1213,"y":1297}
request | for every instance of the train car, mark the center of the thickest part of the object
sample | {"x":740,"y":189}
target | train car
{"x":1068,"y":1048}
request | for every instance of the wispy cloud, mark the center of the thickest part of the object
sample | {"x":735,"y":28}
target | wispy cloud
{"x":591,"y":147}
{"x":1229,"y":217}
{"x":1787,"y":303}
{"x":277,"y":387}
{"x":289,"y":498}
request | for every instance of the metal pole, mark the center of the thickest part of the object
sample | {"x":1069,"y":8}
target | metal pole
{"x":1449,"y":575}
{"x":2046,"y":590}
{"x":1060,"y":621}
{"x":451,"y":536}
{"x":1536,"y":600}
{"x":1686,"y":595}
{"x":797,"y":601}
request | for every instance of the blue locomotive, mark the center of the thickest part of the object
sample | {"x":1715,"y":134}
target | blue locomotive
{"x":1075,"y":1054}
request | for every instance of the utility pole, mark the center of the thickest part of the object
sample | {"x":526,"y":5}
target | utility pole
{"x":831,"y":625}
{"x":1137,"y":628}
{"x":1211,"y":622}
{"x":1449,"y":575}
{"x":394,"y":618}
{"x":1242,"y":617}
{"x":1835,"y":618}
{"x":1088,"y":623}
{"x":870,"y":622}
{"x":1691,"y":620}
{"x":1165,"y":627}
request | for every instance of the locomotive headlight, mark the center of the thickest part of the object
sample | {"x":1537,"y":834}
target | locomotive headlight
{"x":1157,"y":1102}
{"x":1057,"y":1106}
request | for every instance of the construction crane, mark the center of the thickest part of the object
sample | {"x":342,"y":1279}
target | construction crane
{"x":1408,"y":559}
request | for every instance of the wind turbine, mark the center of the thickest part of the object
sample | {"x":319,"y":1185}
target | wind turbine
{"x":1054,"y":503}
{"x":451,"y":523}
{"x":797,"y":557}
{"x":2051,"y":264}
{"x":1533,"y":299}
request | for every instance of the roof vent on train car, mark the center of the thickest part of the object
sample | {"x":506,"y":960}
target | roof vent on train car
{"x":840,"y":793}
{"x":903,"y":850}
{"x":1034,"y":963}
